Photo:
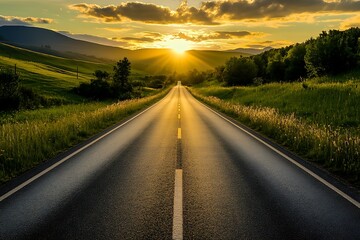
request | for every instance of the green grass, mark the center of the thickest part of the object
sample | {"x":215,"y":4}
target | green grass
{"x":318,"y":119}
{"x":51,"y":77}
{"x":328,"y":103}
{"x":31,"y":137}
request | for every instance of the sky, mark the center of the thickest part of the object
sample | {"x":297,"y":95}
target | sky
{"x":185,"y":24}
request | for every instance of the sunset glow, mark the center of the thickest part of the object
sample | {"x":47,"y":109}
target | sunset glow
{"x":178,"y":45}
{"x":183,"y":25}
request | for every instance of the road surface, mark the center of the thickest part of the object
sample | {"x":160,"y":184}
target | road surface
{"x":177,"y":171}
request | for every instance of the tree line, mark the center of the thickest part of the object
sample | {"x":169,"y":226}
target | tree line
{"x":118,"y":85}
{"x":331,"y":53}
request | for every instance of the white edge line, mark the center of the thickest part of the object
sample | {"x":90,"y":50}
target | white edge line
{"x":22,"y":185}
{"x":314,"y":175}
{"x":178,"y":206}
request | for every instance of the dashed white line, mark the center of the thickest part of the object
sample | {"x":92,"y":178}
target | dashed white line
{"x":178,"y":206}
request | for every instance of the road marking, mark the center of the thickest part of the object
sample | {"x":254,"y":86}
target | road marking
{"x":179,"y":133}
{"x":311,"y":173}
{"x":178,"y":206}
{"x":27,"y":182}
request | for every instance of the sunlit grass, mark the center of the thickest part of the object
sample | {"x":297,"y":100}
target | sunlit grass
{"x":34,"y":136}
{"x":337,"y":149}
{"x":329,"y":103}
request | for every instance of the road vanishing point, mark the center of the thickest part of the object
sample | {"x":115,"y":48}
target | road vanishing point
{"x":178,"y":170}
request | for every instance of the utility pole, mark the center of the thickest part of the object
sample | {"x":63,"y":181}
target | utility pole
{"x":77,"y":72}
{"x":15,"y":68}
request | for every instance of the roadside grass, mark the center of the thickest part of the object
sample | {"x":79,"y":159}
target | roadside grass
{"x":31,"y":137}
{"x":319,"y":121}
{"x":327,"y":103}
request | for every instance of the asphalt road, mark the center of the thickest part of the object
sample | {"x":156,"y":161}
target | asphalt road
{"x":177,"y":170}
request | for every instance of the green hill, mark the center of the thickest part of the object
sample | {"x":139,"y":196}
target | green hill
{"x":48,"y":75}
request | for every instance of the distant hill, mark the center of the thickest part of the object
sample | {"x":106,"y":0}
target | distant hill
{"x":152,"y":61}
{"x":251,"y":51}
{"x":44,"y":39}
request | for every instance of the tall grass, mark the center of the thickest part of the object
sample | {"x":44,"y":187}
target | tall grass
{"x":336,"y":149}
{"x":329,"y":103}
{"x":27,"y":143}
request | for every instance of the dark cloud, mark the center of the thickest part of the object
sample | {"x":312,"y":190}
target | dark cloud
{"x":212,"y":12}
{"x":214,"y":35}
{"x":10,"y":20}
{"x":145,"y":12}
{"x":242,"y":9}
{"x":142,"y":39}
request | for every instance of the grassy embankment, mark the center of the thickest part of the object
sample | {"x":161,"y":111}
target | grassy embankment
{"x":318,"y":119}
{"x":28,"y":137}
{"x":46,"y":132}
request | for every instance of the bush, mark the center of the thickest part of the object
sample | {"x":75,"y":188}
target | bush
{"x":9,"y":90}
{"x":97,"y":89}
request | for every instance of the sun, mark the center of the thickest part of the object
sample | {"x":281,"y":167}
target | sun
{"x":179,"y":46}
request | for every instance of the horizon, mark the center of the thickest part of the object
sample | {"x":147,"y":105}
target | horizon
{"x":185,"y":25}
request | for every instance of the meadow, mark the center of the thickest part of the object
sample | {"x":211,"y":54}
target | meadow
{"x":47,"y":75}
{"x":318,"y":119}
{"x":31,"y":137}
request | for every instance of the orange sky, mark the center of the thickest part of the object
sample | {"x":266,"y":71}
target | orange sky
{"x":212,"y":24}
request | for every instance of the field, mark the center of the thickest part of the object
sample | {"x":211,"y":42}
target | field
{"x":319,"y":119}
{"x":49,"y":76}
{"x":29,"y":137}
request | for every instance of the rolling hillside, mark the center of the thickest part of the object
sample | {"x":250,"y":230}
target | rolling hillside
{"x":151,"y":61}
{"x":48,"y":75}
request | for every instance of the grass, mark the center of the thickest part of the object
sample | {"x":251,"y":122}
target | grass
{"x":318,"y":119}
{"x":32,"y":137}
{"x":49,"y":76}
{"x":327,"y":103}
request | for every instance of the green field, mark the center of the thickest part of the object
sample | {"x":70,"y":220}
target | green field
{"x":29,"y":137}
{"x":49,"y":76}
{"x":319,"y":119}
{"x":320,"y":100}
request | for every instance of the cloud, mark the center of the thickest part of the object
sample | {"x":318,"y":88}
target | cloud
{"x":350,"y":22}
{"x":142,"y":39}
{"x":145,"y":37}
{"x":144,"y":12}
{"x":213,"y":12}
{"x":214,"y":35}
{"x":259,"y":9}
{"x":11,"y":20}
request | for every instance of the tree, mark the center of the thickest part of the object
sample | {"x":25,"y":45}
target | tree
{"x":121,"y":85}
{"x":276,"y":68}
{"x":98,"y":89}
{"x":333,"y":52}
{"x":240,"y":71}
{"x":9,"y":90}
{"x":295,"y":63}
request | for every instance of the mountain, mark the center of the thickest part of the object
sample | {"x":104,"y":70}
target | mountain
{"x":251,"y":51}
{"x":43,"y":39}
{"x":152,"y":61}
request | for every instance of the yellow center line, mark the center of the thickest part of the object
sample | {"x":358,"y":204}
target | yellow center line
{"x":179,"y":133}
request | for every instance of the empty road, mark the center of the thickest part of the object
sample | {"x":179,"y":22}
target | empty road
{"x":177,"y":171}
